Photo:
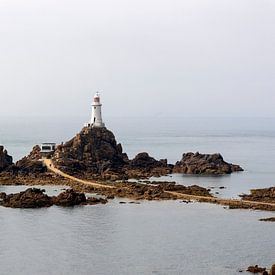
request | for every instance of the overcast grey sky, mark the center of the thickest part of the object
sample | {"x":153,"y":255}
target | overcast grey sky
{"x":147,"y":57}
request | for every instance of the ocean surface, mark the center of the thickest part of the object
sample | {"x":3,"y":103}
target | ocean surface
{"x":166,"y":237}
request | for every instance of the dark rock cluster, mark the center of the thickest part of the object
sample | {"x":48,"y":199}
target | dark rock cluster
{"x":36,"y":198}
{"x":256,"y":269}
{"x":145,"y":166}
{"x":154,"y":191}
{"x":144,"y":161}
{"x":209,"y":164}
{"x":5,"y":159}
{"x":94,"y":154}
{"x":30,"y":164}
{"x":263,"y":195}
{"x":93,"y":150}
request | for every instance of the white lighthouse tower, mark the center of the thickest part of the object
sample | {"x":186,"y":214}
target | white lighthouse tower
{"x":96,"y":120}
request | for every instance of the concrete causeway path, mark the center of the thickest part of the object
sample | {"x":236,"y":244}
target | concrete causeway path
{"x":52,"y":168}
{"x":222,"y":201}
{"x":228,"y":202}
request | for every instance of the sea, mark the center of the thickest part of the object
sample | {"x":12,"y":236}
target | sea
{"x":162,"y":237}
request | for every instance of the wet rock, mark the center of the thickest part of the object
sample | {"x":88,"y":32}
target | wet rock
{"x":272,"y":219}
{"x":69,"y":198}
{"x":137,"y":191}
{"x":5,"y":159}
{"x":36,"y":198}
{"x":2,"y":195}
{"x":30,"y":198}
{"x":272,"y":270}
{"x":92,"y":201}
{"x":261,"y":195}
{"x":256,"y":269}
{"x":196,"y":163}
{"x":189,"y":190}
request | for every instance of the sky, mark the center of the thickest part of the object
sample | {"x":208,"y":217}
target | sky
{"x":155,"y":58}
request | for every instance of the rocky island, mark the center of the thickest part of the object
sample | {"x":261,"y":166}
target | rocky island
{"x":36,"y":198}
{"x":93,"y":162}
{"x":205,"y":164}
{"x":94,"y":154}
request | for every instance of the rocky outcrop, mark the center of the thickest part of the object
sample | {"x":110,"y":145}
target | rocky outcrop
{"x":36,"y":198}
{"x":144,"y":166}
{"x":261,"y":195}
{"x":194,"y":190}
{"x":196,"y":163}
{"x":31,"y":198}
{"x":271,"y":219}
{"x":144,"y":161}
{"x":153,"y":191}
{"x":93,"y":150}
{"x":31,"y":164}
{"x":5,"y":159}
{"x":256,"y":269}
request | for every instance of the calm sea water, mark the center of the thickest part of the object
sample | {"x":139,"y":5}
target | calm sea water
{"x":153,"y":237}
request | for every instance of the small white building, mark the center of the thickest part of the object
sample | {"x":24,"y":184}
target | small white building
{"x":47,"y":147}
{"x":96,"y":119}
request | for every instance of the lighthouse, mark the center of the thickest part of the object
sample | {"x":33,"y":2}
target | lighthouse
{"x":96,"y":120}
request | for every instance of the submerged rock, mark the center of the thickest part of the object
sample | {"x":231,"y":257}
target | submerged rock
{"x":5,"y":159}
{"x":196,"y":163}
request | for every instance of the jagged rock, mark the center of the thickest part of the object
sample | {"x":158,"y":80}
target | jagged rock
{"x":93,"y":150}
{"x":143,"y":160}
{"x":190,"y":190}
{"x":271,"y":219}
{"x":35,"y":198}
{"x":261,"y":195}
{"x":196,"y":163}
{"x":272,"y":270}
{"x":5,"y":159}
{"x":31,"y":164}
{"x":153,"y":191}
{"x":145,"y":166}
{"x":69,"y":198}
{"x":31,"y":198}
{"x":93,"y":200}
{"x":255,"y":269}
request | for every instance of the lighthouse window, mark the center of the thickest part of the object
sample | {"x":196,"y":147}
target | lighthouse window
{"x":94,"y":107}
{"x":46,"y":148}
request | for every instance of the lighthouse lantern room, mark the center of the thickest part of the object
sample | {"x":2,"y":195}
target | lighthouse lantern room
{"x":96,"y":120}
